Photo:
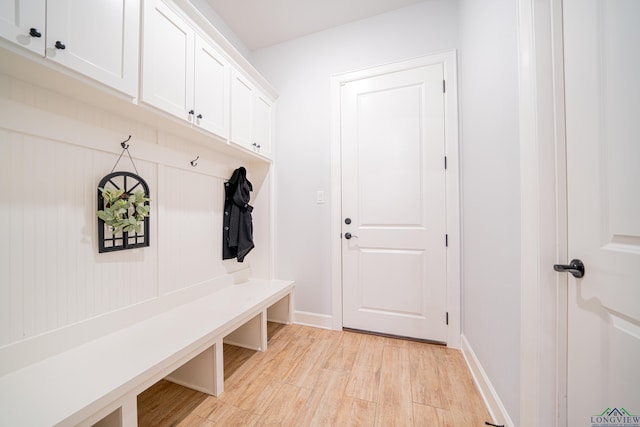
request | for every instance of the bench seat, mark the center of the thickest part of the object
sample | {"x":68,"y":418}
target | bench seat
{"x":104,"y":376}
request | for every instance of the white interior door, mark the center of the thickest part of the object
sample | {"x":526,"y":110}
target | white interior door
{"x":393,"y":203}
{"x":602,"y":60}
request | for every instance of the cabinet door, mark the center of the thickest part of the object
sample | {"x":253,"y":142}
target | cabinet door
{"x":241,"y":110}
{"x":100,"y":39}
{"x":167,"y":64}
{"x":211,"y":89}
{"x":16,"y":20}
{"x":262,"y":121}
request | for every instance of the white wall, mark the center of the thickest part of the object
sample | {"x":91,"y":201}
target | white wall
{"x":301,"y":70}
{"x":485,"y":33}
{"x":491,"y":191}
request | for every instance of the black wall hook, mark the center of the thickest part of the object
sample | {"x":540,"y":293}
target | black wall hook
{"x":124,"y":144}
{"x":125,"y":147}
{"x":193,"y":162}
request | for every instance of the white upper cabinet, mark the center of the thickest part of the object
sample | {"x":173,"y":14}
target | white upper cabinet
{"x":167,"y":60}
{"x":211,"y":89}
{"x":23,"y":23}
{"x":97,"y":38}
{"x":262,"y":123}
{"x":180,"y":67}
{"x":241,"y":110}
{"x":182,"y":73}
{"x":251,"y":116}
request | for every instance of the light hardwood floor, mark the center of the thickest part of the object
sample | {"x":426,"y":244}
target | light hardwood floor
{"x":316,"y":377}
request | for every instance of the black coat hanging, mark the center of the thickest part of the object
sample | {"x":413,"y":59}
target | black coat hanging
{"x":237,"y":233}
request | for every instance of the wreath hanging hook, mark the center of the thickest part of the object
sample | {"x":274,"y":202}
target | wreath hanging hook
{"x":125,"y":147}
{"x":124,"y":144}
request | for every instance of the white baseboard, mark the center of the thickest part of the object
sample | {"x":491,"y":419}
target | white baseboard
{"x":494,"y":404}
{"x":316,"y":320}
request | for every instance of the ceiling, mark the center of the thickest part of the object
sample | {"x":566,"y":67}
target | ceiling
{"x":261,"y":23}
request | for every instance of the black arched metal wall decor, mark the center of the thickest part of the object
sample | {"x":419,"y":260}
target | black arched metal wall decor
{"x":108,"y":241}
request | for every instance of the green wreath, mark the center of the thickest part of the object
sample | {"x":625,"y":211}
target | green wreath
{"x":123,"y":212}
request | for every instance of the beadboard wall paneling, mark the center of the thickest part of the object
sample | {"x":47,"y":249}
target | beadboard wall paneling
{"x":11,"y":244}
{"x":55,"y":275}
{"x":191,"y":233}
{"x":261,"y":256}
{"x":56,"y":290}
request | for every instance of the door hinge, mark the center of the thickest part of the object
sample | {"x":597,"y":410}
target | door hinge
{"x":446,"y":240}
{"x":444,"y":86}
{"x":445,"y":162}
{"x":447,"y":318}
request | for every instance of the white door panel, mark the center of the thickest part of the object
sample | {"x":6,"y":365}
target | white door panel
{"x":211,"y":96}
{"x":168,"y":66}
{"x":602,"y":62}
{"x":390,"y":147}
{"x":241,"y":110}
{"x":100,"y":38}
{"x":261,"y":127}
{"x":391,"y":266}
{"x":393,"y":191}
{"x":17,"y":17}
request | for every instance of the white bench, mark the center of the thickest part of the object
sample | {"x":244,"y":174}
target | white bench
{"x":99,"y":381}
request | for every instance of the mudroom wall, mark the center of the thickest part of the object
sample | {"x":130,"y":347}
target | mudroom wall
{"x":54,"y":150}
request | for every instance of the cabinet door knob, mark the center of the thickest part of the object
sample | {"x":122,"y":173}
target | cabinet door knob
{"x":60,"y":45}
{"x":33,"y":32}
{"x":199,"y":116}
{"x":192,"y":112}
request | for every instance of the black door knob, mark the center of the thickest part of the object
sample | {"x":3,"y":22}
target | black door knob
{"x":575,"y":267}
{"x":33,"y":32}
{"x":60,"y":45}
{"x":349,"y":236}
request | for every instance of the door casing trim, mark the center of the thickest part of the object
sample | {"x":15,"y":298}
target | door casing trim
{"x":543,"y":320}
{"x":448,"y":59}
